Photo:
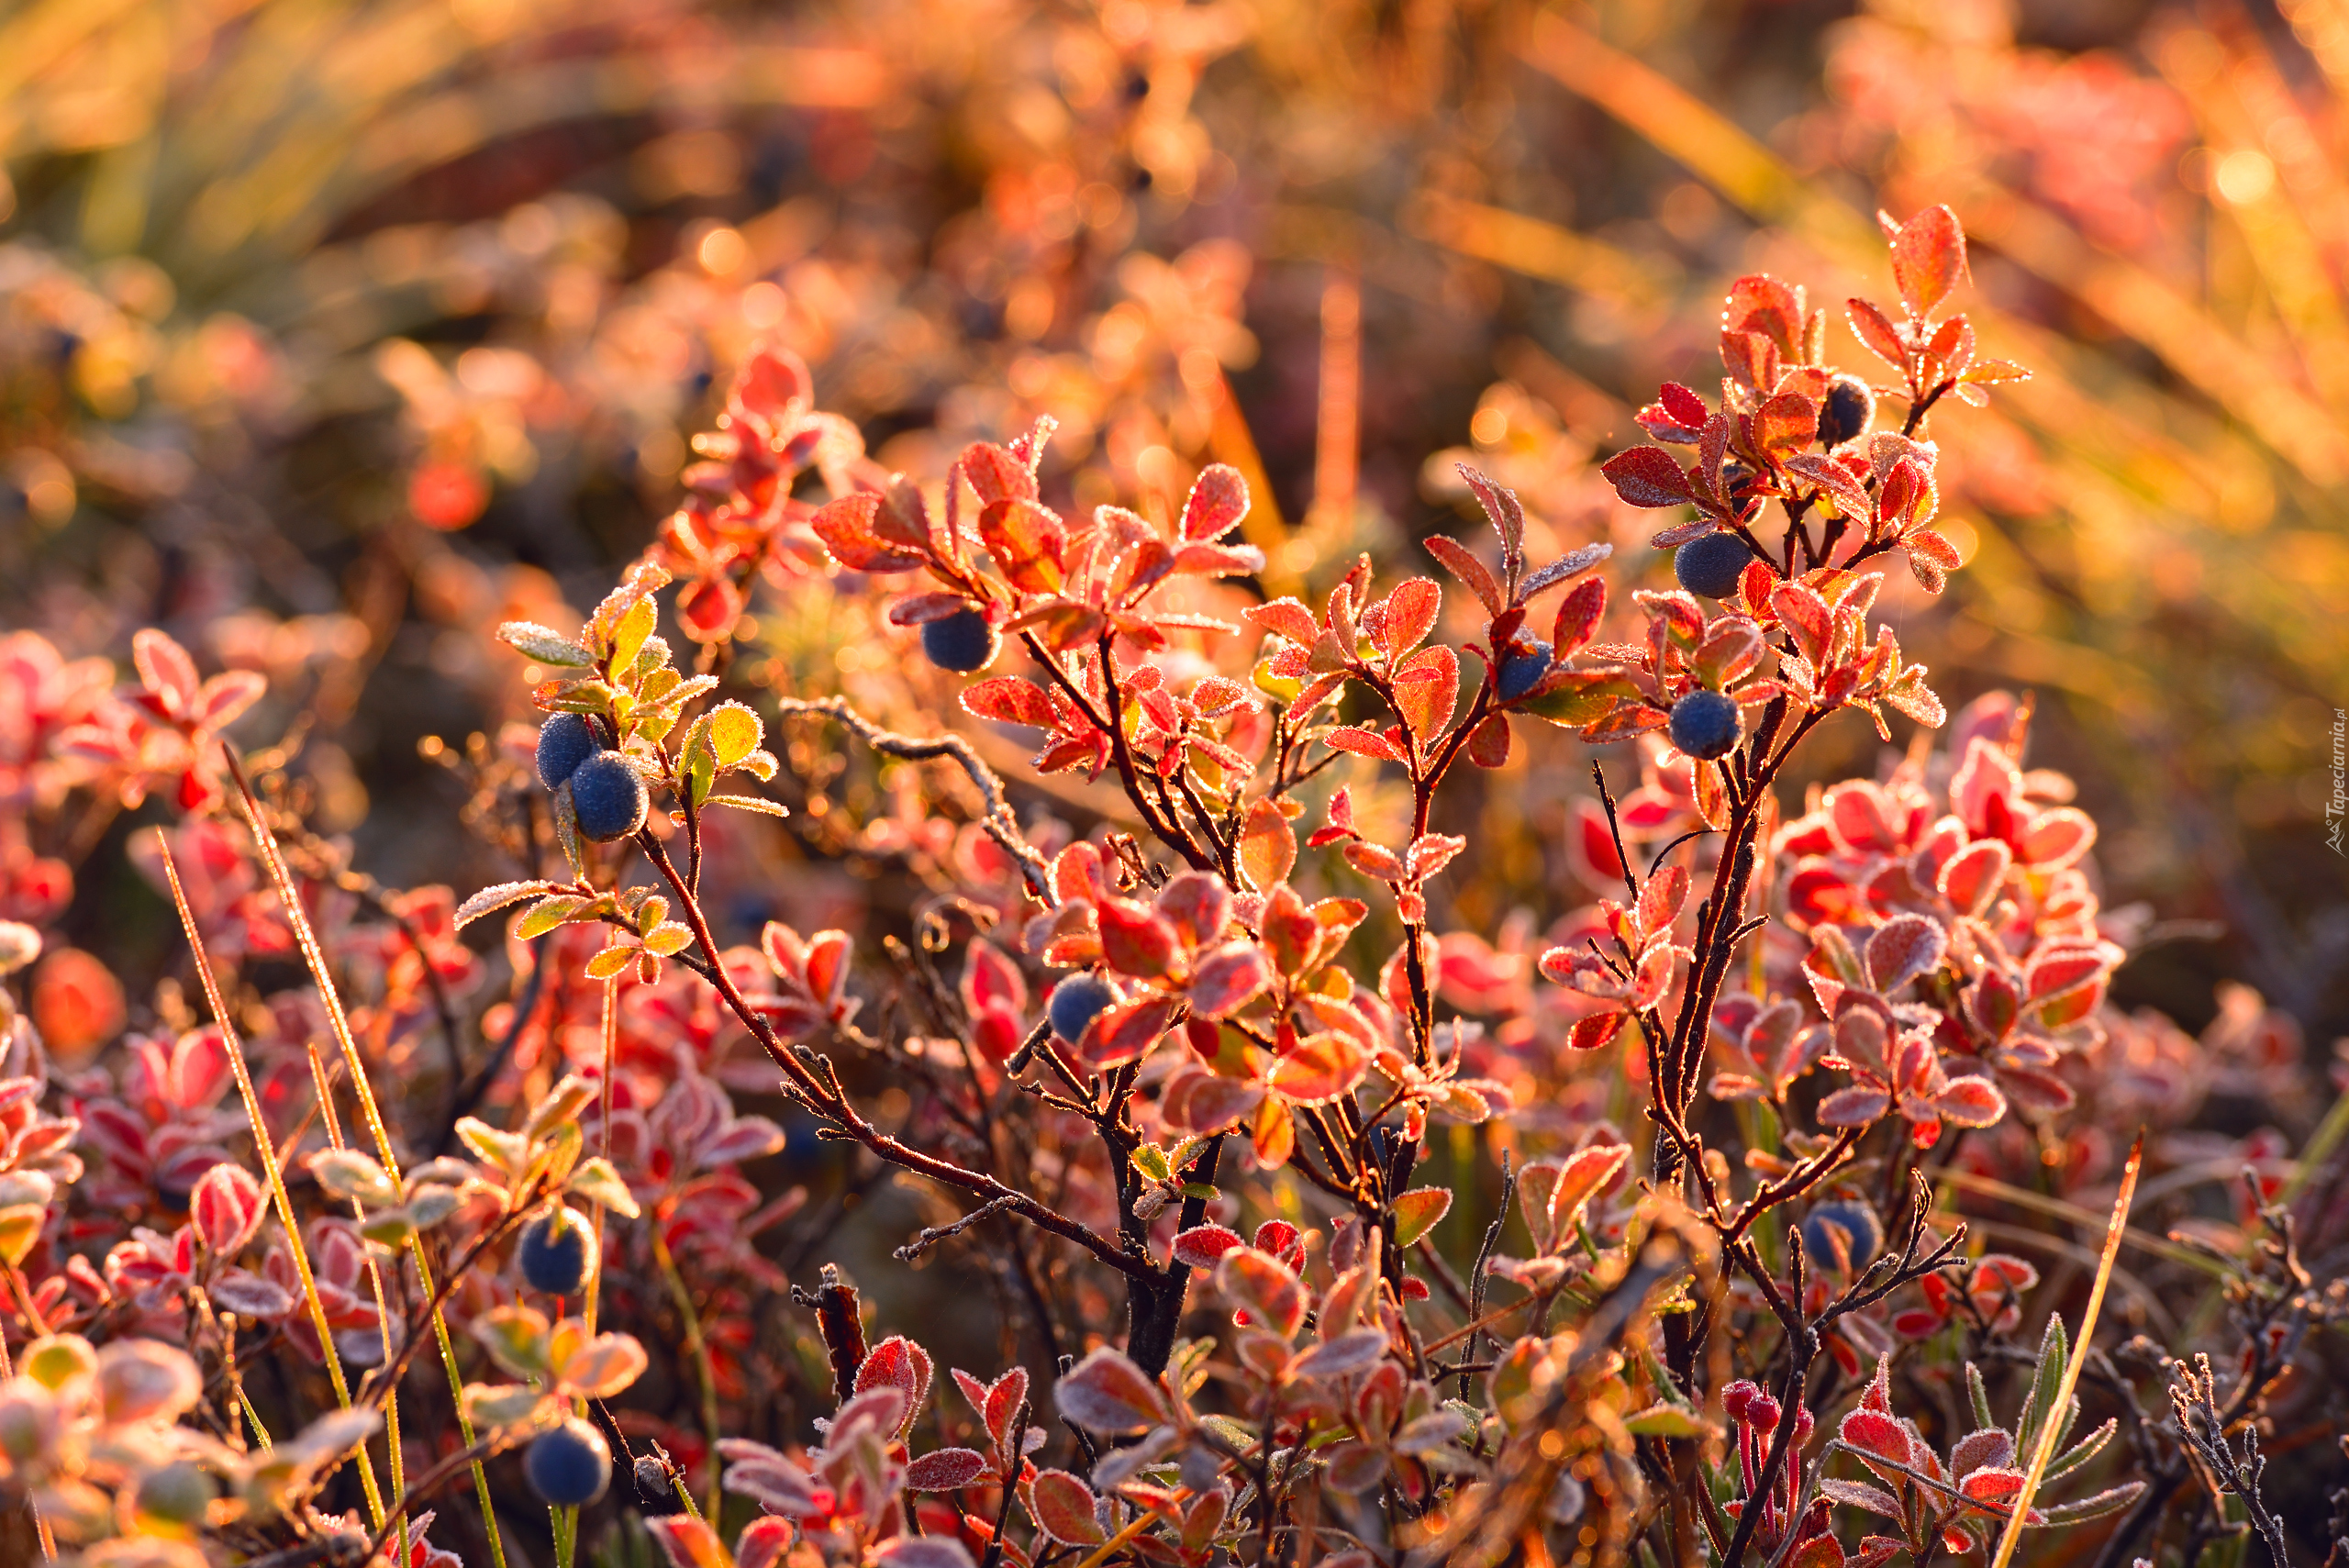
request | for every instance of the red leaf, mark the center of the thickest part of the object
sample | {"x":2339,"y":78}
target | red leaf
{"x":1971,"y":1102}
{"x":1928,"y":257}
{"x":1135,"y":939}
{"x":1027,"y":540}
{"x":1267,"y":845}
{"x":1874,"y":328}
{"x":1660,"y":899}
{"x":846,"y":527}
{"x":1287,"y":618}
{"x":1903,"y":949}
{"x":226,"y":1207}
{"x":1363,"y":743}
{"x":1647,"y":476}
{"x":1488,"y":743}
{"x":1784,"y":424}
{"x":1803,"y":613}
{"x":996,"y":473}
{"x":165,"y":670}
{"x":1841,"y":485}
{"x":1011,"y":699}
{"x":1108,"y":1393}
{"x":942,"y":1470}
{"x":1472,"y":573}
{"x":1322,"y":1068}
{"x":1202,"y":1245}
{"x":1578,"y":616}
{"x":1125,"y":1032}
{"x":1065,"y":1508}
{"x":1410,"y":615}
{"x":1218,"y":500}
{"x":1264,"y":1286}
{"x":1590,"y":1033}
{"x":897,"y":1362}
{"x":1228,"y":979}
{"x":1873,"y":1432}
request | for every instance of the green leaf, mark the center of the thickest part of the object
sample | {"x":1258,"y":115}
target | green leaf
{"x":734,"y":732}
{"x":1417,"y":1212}
{"x":1978,"y":1398}
{"x":350,"y":1176}
{"x":491,"y":899}
{"x":493,"y":1407}
{"x":544,"y":644}
{"x":20,"y":1227}
{"x":611,"y":961}
{"x":1151,"y":1160}
{"x":390,"y":1228}
{"x":549,"y":913}
{"x":1666,"y":1420}
{"x":662,"y":940}
{"x":509,"y":1152}
{"x":629,"y":638}
{"x":1580,"y":697}
{"x":516,"y":1337}
{"x":2053,"y":1346}
{"x":578,"y":696}
{"x":750,"y":802}
{"x":653,"y":656}
{"x":597,"y":1181}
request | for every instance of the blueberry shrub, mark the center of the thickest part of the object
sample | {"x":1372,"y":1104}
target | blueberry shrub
{"x":1770,"y":1178}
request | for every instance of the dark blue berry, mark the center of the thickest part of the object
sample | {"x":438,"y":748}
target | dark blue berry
{"x":1710,"y":565}
{"x":1739,"y":480}
{"x":1849,"y":410}
{"x":1863,"y":1232}
{"x":564,"y":742}
{"x":1077,"y":1002}
{"x":962,"y":642}
{"x":607,"y":797}
{"x":1705,"y":724}
{"x":568,"y":1465}
{"x":558,"y":1251}
{"x":1522,"y":670}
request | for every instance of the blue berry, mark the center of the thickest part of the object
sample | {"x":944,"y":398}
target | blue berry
{"x":558,"y":1251}
{"x":564,"y":742}
{"x":568,"y":1465}
{"x":1077,"y":1002}
{"x":1711,"y":564}
{"x":1863,"y":1232}
{"x":962,"y":642}
{"x":607,"y":797}
{"x":1849,"y":410}
{"x":1523,"y":669}
{"x":1705,"y":724}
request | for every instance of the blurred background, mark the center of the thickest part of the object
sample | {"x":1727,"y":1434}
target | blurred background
{"x":330,"y":334}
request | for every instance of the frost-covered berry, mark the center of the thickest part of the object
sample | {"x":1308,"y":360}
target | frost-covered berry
{"x":1863,"y":1232}
{"x":1847,"y":412}
{"x":564,"y":742}
{"x":1710,"y":565}
{"x":1077,"y":1002}
{"x":568,"y":1465}
{"x":558,"y":1251}
{"x":607,"y":797}
{"x":962,"y":642}
{"x":1522,"y":670}
{"x":1705,"y":724}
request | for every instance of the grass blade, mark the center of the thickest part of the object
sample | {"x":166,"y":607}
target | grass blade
{"x":2044,"y":1448}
